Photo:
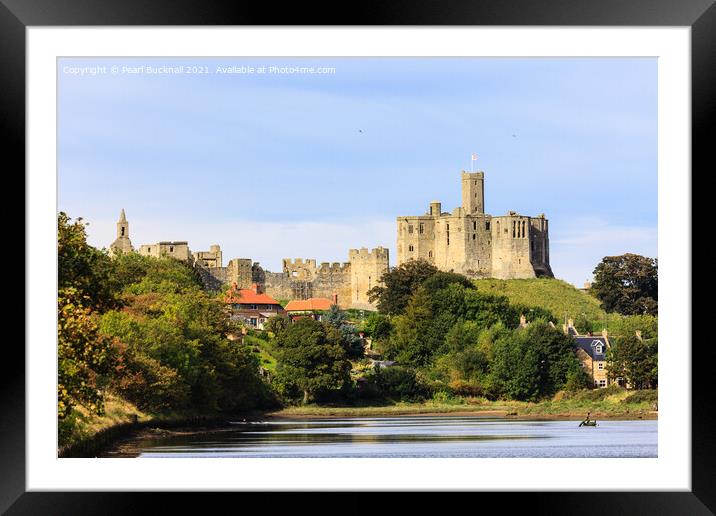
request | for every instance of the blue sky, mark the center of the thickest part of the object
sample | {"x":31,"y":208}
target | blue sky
{"x":309,"y":165}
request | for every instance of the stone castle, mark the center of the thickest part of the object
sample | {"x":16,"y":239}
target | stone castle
{"x":473,"y":243}
{"x":467,"y":241}
{"x":347,"y":283}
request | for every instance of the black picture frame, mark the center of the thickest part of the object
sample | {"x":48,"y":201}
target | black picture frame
{"x":700,"y":15}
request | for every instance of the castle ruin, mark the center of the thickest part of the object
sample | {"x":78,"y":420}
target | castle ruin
{"x":470,"y":242}
{"x":347,"y":282}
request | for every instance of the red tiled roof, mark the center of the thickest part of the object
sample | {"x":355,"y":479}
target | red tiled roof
{"x":307,"y":305}
{"x":247,"y":296}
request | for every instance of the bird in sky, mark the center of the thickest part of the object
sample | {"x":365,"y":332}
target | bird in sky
{"x":514,"y":136}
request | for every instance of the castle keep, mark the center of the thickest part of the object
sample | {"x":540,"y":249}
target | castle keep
{"x":347,"y":282}
{"x":470,"y":242}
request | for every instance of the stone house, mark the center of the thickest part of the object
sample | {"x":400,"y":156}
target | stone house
{"x":252,"y":306}
{"x":591,"y":350}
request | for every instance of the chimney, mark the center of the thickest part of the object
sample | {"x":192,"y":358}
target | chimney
{"x":334,"y":298}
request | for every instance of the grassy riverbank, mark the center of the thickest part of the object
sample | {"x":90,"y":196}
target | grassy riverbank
{"x":600,"y":403}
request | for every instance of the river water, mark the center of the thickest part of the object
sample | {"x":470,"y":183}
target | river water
{"x":412,"y":436}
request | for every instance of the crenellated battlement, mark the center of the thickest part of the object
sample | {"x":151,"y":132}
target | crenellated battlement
{"x":379,"y":253}
{"x":334,"y":268}
{"x":298,"y":263}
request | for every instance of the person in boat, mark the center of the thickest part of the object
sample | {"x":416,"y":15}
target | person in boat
{"x":587,"y":420}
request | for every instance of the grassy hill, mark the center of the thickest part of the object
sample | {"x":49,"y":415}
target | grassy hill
{"x":552,"y":294}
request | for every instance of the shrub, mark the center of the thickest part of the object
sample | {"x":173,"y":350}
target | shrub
{"x":645,"y":396}
{"x":396,"y":383}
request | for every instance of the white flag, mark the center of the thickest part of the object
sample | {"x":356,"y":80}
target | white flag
{"x":474,"y":157}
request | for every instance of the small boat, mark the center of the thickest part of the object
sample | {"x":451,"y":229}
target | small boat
{"x":588,"y":423}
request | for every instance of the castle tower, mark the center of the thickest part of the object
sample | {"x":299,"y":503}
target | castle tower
{"x":367,"y":267}
{"x":473,"y":192}
{"x":122,"y":243}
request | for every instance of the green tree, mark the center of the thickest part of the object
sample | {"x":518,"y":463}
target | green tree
{"x":533,"y":362}
{"x":84,"y":355}
{"x":464,"y":359}
{"x":441,"y":280}
{"x":377,"y":326}
{"x":338,"y":319}
{"x":627,"y":284}
{"x":634,"y":360}
{"x":628,"y":325}
{"x":277,"y":323}
{"x":311,"y":356}
{"x":397,"y":285}
{"x":417,"y":335}
{"x":81,"y":266}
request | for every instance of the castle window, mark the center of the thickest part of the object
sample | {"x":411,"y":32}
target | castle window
{"x":523,"y":229}
{"x":410,"y":248}
{"x":171,"y":248}
{"x":123,"y":231}
{"x":422,"y":228}
{"x":430,"y":254}
{"x":487,"y":226}
{"x":514,"y":229}
{"x":473,"y":236}
{"x":410,"y":228}
{"x":474,"y":225}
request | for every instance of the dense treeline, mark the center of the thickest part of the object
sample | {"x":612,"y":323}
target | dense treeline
{"x":143,"y":329}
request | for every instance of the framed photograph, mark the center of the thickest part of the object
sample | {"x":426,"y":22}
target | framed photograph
{"x":417,"y":253}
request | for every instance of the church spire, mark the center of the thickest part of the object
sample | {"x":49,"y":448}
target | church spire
{"x":122,"y":243}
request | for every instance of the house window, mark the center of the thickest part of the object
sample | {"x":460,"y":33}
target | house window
{"x":598,"y":349}
{"x":602,"y":383}
{"x":600,"y":365}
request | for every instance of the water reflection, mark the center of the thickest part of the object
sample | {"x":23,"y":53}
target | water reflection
{"x":413,"y":436}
